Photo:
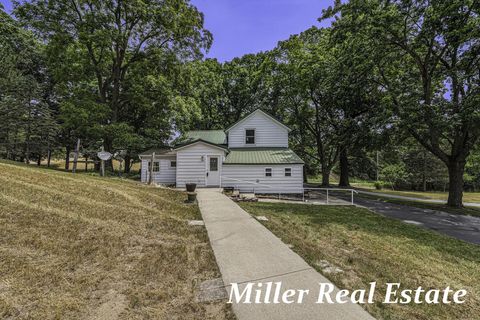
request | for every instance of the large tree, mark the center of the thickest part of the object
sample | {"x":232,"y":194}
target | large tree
{"x":102,"y":42}
{"x":428,"y":62}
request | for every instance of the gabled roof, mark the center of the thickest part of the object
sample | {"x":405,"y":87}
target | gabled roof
{"x":255,"y":112}
{"x":262,"y":156}
{"x":158,"y":152}
{"x":180,"y":146}
{"x":212,"y":136}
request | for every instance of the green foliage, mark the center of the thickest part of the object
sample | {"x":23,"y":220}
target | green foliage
{"x":394,"y":173}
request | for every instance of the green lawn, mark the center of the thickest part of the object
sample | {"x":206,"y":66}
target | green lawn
{"x":83,"y":247}
{"x":370,"y":247}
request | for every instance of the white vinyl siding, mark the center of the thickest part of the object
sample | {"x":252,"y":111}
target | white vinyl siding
{"x":246,"y":178}
{"x":268,"y":133}
{"x":165,"y":175}
{"x":191,"y":168}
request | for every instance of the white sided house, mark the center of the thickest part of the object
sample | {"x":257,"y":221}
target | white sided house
{"x":250,"y":156}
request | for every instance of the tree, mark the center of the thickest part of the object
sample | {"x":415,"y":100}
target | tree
{"x":427,"y":59}
{"x":102,"y":42}
{"x":27,"y":121}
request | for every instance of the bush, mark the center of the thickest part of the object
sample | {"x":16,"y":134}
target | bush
{"x":378,"y":185}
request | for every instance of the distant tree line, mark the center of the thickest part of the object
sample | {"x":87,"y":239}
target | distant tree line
{"x":390,"y":91}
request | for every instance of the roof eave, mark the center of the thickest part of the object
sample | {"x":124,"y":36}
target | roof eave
{"x":249,"y":115}
{"x":178,"y":147}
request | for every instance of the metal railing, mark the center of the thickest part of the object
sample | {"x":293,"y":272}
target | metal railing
{"x":328,"y":190}
{"x":352,"y":191}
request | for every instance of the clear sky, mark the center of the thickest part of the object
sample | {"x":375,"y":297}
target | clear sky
{"x":249,"y":26}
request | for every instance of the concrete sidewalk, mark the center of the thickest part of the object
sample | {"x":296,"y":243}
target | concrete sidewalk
{"x":248,"y":252}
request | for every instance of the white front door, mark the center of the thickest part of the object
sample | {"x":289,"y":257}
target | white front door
{"x":213,"y":171}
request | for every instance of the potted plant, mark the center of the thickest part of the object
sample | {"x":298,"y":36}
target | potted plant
{"x":191,"y":187}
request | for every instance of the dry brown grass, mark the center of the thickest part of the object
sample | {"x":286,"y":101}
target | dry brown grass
{"x":81,"y":247}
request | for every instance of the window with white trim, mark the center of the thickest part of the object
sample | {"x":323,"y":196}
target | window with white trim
{"x":156,"y":166}
{"x":288,"y":172}
{"x":249,"y":136}
{"x":268,"y":172}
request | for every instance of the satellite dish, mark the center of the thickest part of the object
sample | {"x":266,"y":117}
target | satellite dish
{"x":104,"y":155}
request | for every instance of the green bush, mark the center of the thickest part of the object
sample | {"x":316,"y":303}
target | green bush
{"x":378,"y":185}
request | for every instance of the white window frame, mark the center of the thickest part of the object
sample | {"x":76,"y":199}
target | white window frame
{"x":254,"y":136}
{"x":271,"y":172}
{"x":154,"y":166}
{"x":285,"y":171}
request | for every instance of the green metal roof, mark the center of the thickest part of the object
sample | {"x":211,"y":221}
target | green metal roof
{"x":158,"y":151}
{"x":262,"y":156}
{"x":212,"y":136}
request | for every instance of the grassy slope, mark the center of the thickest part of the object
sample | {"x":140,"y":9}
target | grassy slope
{"x":370,"y":247}
{"x":76,"y":246}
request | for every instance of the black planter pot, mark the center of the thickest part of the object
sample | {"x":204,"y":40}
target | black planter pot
{"x":191,"y":187}
{"x":191,"y":197}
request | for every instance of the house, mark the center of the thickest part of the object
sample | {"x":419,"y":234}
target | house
{"x":252,"y":156}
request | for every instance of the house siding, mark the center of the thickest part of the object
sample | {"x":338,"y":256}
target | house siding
{"x":267,"y":133}
{"x":166,"y":175}
{"x":191,"y":168}
{"x":249,"y":178}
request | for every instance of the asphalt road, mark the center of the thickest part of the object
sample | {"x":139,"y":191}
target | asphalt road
{"x":466,"y":228}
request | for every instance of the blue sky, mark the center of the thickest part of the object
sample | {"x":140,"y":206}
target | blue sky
{"x":249,"y":26}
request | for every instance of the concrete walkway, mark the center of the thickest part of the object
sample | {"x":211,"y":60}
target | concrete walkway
{"x":248,"y":252}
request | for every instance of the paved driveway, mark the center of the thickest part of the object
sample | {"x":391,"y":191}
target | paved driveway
{"x":466,"y":228}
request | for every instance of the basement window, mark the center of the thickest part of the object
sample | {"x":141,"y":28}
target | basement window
{"x":288,"y":172}
{"x":250,"y":136}
{"x":268,"y":172}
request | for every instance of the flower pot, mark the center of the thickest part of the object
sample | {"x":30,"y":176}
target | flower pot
{"x":192,"y":197}
{"x":191,"y":187}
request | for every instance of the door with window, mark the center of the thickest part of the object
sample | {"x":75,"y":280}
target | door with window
{"x":213,"y":171}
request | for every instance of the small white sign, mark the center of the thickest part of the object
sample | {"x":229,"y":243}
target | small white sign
{"x":104,"y":155}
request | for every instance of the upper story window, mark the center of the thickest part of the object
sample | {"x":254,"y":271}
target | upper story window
{"x":249,"y":136}
{"x":288,"y":172}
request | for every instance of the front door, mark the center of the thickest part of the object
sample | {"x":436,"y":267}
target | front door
{"x":213,"y":171}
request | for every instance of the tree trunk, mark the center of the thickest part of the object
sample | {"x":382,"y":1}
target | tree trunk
{"x":127,"y":164}
{"x":39,"y":160}
{"x":325,"y":177}
{"x":67,"y":158}
{"x":86,"y":163}
{"x":424,"y":174}
{"x":455,"y":183}
{"x":305,"y":178}
{"x":49,"y":157}
{"x":344,"y":179}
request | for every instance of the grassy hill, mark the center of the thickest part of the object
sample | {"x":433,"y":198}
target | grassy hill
{"x":78,"y":246}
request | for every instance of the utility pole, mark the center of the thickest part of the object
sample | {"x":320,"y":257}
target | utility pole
{"x":75,"y":158}
{"x":150,"y":178}
{"x":377,"y":167}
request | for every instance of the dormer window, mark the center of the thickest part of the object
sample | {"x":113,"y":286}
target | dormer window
{"x":250,"y":136}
